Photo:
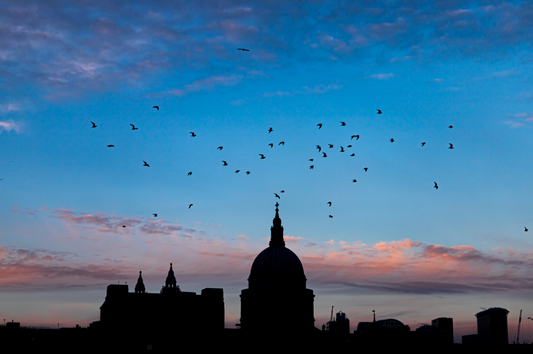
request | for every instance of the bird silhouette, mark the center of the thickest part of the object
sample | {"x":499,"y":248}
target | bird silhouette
{"x":220,"y":148}
{"x":366,"y":169}
{"x":145,"y":164}
{"x":319,"y":148}
{"x":94,"y":125}
{"x":243,"y":49}
{"x":225,"y":163}
{"x":271,"y":145}
{"x":311,"y":159}
{"x":329,"y":203}
{"x":379,"y":111}
{"x":262,"y":156}
{"x":356,"y":137}
{"x":435,"y":186}
{"x":311,"y":167}
{"x":282,"y":191}
{"x":156,"y":107}
{"x":391,"y":140}
{"x":189,"y":174}
{"x":342,"y":149}
{"x":190,"y":205}
{"x":192,"y":134}
{"x":354,"y":180}
{"x":247,"y":172}
{"x":451,"y":146}
{"x":281,"y":143}
{"x":424,"y":143}
{"x":330,"y":146}
{"x":319,"y":125}
{"x":155,"y":215}
{"x":349,"y":146}
{"x":352,"y":154}
{"x":343,"y":124}
{"x":526,"y":229}
{"x":277,"y":196}
{"x":331,"y":216}
{"x":237,"y":171}
{"x":123,"y":225}
{"x":110,"y":146}
{"x":270,"y":130}
{"x":325,"y":155}
{"x":133,"y":127}
{"x":451,"y":126}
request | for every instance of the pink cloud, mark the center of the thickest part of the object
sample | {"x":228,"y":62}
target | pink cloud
{"x":9,"y":126}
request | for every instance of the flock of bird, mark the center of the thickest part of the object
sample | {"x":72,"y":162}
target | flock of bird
{"x":262,"y":156}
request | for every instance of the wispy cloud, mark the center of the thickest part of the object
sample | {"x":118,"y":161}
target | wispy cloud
{"x":306,"y":90}
{"x":9,"y":126}
{"x":382,"y":76}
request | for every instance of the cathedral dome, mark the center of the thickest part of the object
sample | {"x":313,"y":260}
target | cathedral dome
{"x":277,"y":266}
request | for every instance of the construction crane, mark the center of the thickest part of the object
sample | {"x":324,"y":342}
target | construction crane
{"x":518,"y":332}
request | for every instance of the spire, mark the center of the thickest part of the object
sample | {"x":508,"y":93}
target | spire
{"x":276,"y":231}
{"x":139,"y":288}
{"x":170,"y":283}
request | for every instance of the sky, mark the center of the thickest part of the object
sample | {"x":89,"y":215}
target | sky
{"x":77,"y":215}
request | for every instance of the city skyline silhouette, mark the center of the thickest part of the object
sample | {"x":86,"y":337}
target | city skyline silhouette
{"x":137,"y":135}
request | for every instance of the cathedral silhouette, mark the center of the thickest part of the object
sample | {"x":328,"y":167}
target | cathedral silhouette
{"x":277,"y":298}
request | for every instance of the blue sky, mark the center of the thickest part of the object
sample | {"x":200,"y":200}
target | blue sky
{"x":394,"y":244}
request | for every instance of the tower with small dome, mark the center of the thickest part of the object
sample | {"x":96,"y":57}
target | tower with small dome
{"x":277,"y":298}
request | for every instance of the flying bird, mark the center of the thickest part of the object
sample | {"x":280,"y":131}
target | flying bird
{"x":319,"y":148}
{"x":451,"y":146}
{"x":526,"y":229}
{"x":94,"y":125}
{"x":243,"y":49}
{"x":220,"y":148}
{"x":282,"y":191}
{"x":270,"y":130}
{"x":330,"y":146}
{"x":343,"y":124}
{"x":349,"y":146}
{"x":435,"y":186}
{"x":319,"y":125}
{"x":145,"y":164}
{"x":262,"y":156}
{"x":155,"y":215}
{"x":311,"y":167}
{"x":391,"y":140}
{"x":352,"y":154}
{"x":354,"y":180}
{"x":190,"y":205}
{"x":271,"y":145}
{"x":281,"y":143}
{"x":342,"y":149}
{"x":277,"y":196}
{"x":451,"y":126}
{"x":247,"y":172}
{"x":225,"y":163}
{"x":192,"y":134}
{"x":156,"y":107}
{"x":110,"y":146}
{"x":379,"y":111}
{"x":356,"y":137}
{"x":331,"y":216}
{"x":133,"y":127}
{"x":325,"y":155}
{"x":237,"y":171}
{"x":189,"y":174}
{"x":329,"y":203}
{"x":366,"y":169}
{"x":311,"y":159}
{"x":424,"y":143}
{"x":123,"y":225}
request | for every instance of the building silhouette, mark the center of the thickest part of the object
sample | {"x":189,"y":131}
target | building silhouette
{"x":444,"y":326}
{"x":170,"y":310}
{"x":492,"y":326}
{"x":340,"y":325}
{"x":277,"y":298}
